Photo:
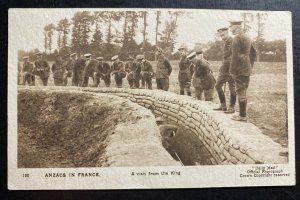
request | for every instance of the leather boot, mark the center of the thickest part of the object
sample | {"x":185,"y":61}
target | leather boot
{"x":243,"y":112}
{"x":189,"y":93}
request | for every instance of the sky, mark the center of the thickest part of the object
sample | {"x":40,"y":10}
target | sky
{"x":198,"y":26}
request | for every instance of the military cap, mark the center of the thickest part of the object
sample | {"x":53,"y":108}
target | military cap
{"x":191,"y":55}
{"x":183,"y":46}
{"x":236,"y":23}
{"x":38,"y":53}
{"x":100,"y":58}
{"x":130,"y":58}
{"x":199,"y":52}
{"x":26,"y":57}
{"x":222,"y":29}
{"x":140,"y":57}
{"x":68,"y":54}
{"x":73,"y":54}
{"x":87,"y":55}
{"x":114,"y":57}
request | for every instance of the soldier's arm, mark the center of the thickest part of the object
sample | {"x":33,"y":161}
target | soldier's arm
{"x":168,"y":65}
{"x":47,"y":68}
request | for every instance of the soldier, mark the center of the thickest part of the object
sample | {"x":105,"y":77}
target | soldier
{"x":68,"y":65}
{"x":27,"y":72}
{"x":41,"y":68}
{"x":146,"y":70}
{"x":89,"y":69}
{"x":77,"y":69}
{"x":163,"y":71}
{"x":224,"y":75}
{"x":130,"y":68}
{"x":58,"y":71}
{"x":184,"y":75}
{"x":102,"y":71}
{"x":241,"y":67}
{"x":118,"y":70}
{"x":203,"y":79}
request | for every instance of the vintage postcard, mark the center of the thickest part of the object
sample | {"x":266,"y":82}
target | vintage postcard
{"x":149,"y":98}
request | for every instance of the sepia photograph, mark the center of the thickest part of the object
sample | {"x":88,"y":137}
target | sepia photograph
{"x":149,"y":98}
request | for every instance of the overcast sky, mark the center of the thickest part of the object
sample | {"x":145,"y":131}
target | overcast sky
{"x":197,"y":26}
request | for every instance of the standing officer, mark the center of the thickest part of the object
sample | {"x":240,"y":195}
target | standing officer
{"x":89,"y":69}
{"x":224,"y":75}
{"x":58,"y":70}
{"x":68,"y":65}
{"x":77,"y":69}
{"x":41,"y":68}
{"x":27,"y":72}
{"x":203,"y":79}
{"x":240,"y":67}
{"x":163,"y":71}
{"x":184,"y":75}
{"x":118,"y":70}
{"x":146,"y":70}
{"x":130,"y":68}
{"x":102,"y":71}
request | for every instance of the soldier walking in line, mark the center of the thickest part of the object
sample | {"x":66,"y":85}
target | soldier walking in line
{"x":68,"y":65}
{"x":78,"y":68}
{"x":27,"y":72}
{"x":224,"y":76}
{"x":163,"y":71}
{"x":146,"y":70}
{"x":203,"y":79}
{"x":184,"y":75}
{"x":89,"y":69}
{"x":41,"y":68}
{"x":130,"y":68}
{"x":118,"y":70}
{"x":58,"y":71}
{"x":102,"y":71}
{"x":241,"y":67}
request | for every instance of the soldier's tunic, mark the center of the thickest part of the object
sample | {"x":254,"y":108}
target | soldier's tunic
{"x":58,"y":70}
{"x":163,"y":71}
{"x":88,"y":71}
{"x":27,"y":72}
{"x":240,"y":68}
{"x":146,"y":72}
{"x":68,"y":65}
{"x":42,"y":70}
{"x":78,"y":72}
{"x":184,"y":75}
{"x":102,"y":71}
{"x":118,"y":70}
{"x":224,"y":76}
{"x":131,"y":70}
{"x":203,"y":80}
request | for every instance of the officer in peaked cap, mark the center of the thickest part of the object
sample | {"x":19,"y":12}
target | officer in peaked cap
{"x":240,"y":67}
{"x":58,"y":70}
{"x":224,"y":76}
{"x":77,"y":74}
{"x":41,"y":68}
{"x":118,"y":70}
{"x":102,"y":71}
{"x":130,"y":68}
{"x":89,"y":69}
{"x":27,"y":71}
{"x":146,"y":71}
{"x":163,"y":71}
{"x":184,"y":74}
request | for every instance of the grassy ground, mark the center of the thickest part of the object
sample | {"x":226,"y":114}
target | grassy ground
{"x":267,"y":97}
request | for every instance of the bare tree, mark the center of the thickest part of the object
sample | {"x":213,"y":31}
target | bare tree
{"x":247,"y":19}
{"x":158,"y":13}
{"x":261,"y":18}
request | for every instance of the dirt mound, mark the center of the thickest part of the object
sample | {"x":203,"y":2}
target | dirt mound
{"x":64,"y":129}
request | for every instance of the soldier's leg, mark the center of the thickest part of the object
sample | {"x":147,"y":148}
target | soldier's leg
{"x":96,"y":80}
{"x":149,"y":83}
{"x":232,"y":91}
{"x":32,"y":79}
{"x":181,"y":87}
{"x":158,"y":83}
{"x":221,"y":80}
{"x":209,"y":94}
{"x":130,"y":82}
{"x":188,"y":88}
{"x":85,"y":81}
{"x":44,"y":80}
{"x":198,"y":93}
{"x":241,"y":85}
{"x":143,"y":82}
{"x":165,"y":84}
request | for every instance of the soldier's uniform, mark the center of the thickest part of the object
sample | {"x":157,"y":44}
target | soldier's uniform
{"x":118,"y":71}
{"x":130,"y":68}
{"x":163,"y":71}
{"x":240,"y":69}
{"x":203,"y":79}
{"x":146,"y":70}
{"x":89,"y":69}
{"x":27,"y":72}
{"x":225,"y":77}
{"x":58,"y":70}
{"x":68,"y":65}
{"x":102,"y":71}
{"x":184,"y":74}
{"x":42,"y":69}
{"x":78,"y":71}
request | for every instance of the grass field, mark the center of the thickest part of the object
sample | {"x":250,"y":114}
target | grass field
{"x":267,"y":96}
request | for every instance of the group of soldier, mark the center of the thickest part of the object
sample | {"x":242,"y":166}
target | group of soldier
{"x":238,"y":59}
